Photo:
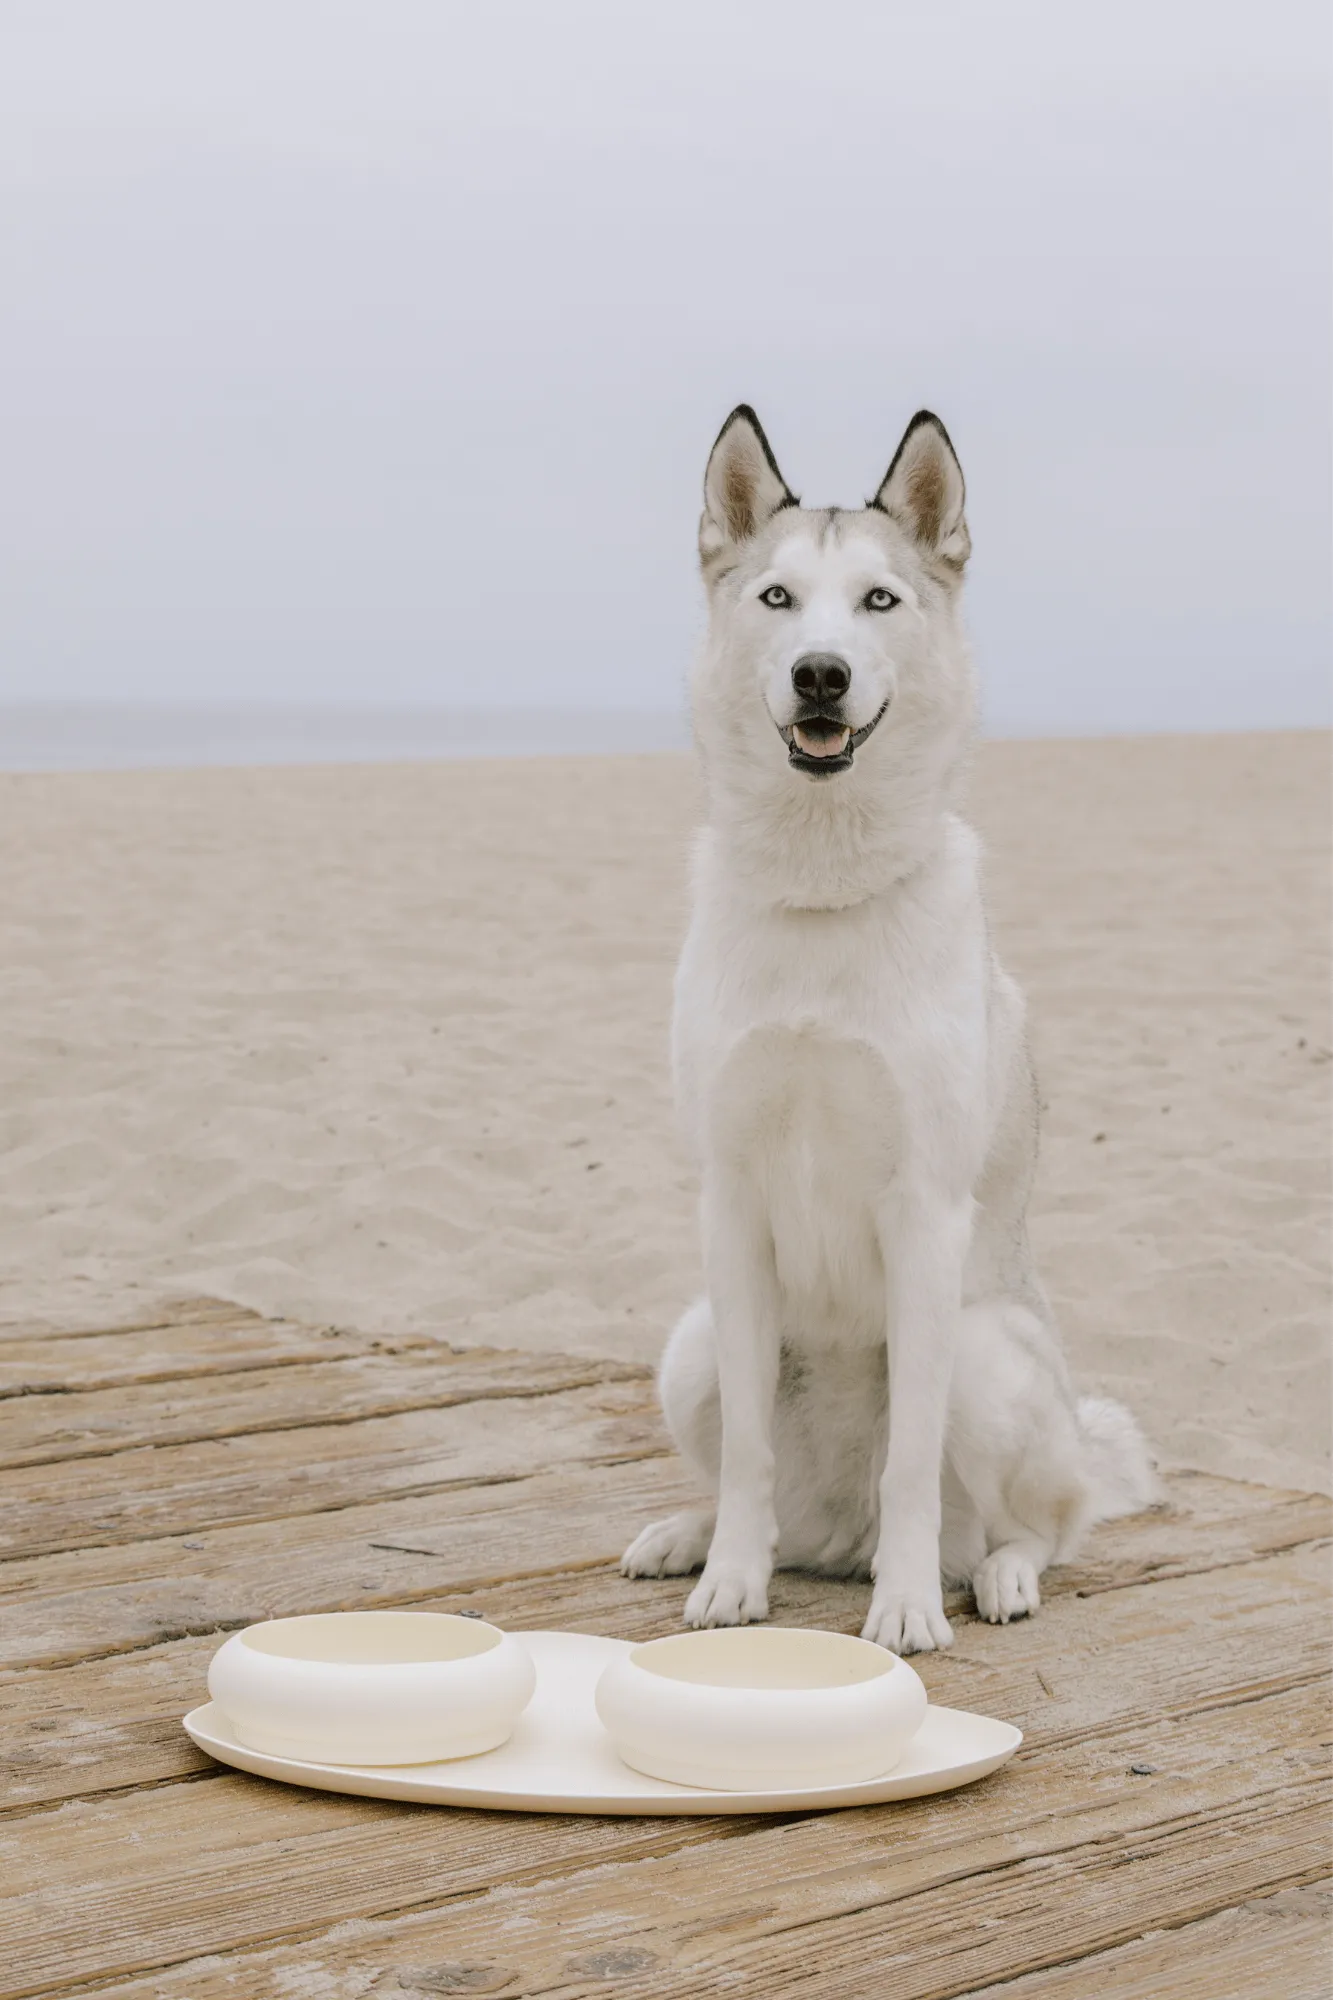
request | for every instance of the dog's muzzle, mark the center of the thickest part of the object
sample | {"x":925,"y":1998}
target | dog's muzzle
{"x":821,"y":744}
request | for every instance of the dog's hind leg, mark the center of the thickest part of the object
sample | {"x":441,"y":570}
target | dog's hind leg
{"x":962,"y":1530}
{"x":1015,"y":1446}
{"x":687,"y":1382}
{"x":672,"y":1547}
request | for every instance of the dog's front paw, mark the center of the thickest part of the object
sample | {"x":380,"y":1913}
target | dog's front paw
{"x":1005,"y":1586}
{"x":729,"y":1593}
{"x":907,"y":1623}
{"x":669,"y":1548}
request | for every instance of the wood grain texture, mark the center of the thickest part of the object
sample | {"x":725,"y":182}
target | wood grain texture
{"x":84,"y":1423}
{"x":188,"y":1489}
{"x":80,"y":1603}
{"x":1164,"y":1830}
{"x":167,"y":1316}
{"x":966,"y":1887}
{"x":59,"y":1609}
{"x":56,"y":1365}
{"x":1274,"y":1947}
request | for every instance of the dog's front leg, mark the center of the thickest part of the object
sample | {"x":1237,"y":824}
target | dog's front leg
{"x":925,"y":1238}
{"x":742,"y":1285}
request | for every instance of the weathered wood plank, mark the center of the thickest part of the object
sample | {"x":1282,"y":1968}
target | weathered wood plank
{"x":940,"y":1893}
{"x":41,"y":1428}
{"x":1170,"y":1540}
{"x":1080,"y":1669}
{"x":166,"y":1313}
{"x":1277,"y":1947}
{"x":66,"y":1365}
{"x":58,"y":1609}
{"x":857,"y":1932}
{"x":296,"y":1843}
{"x":1240,"y":1954}
{"x":222,"y":1482}
{"x":55,"y":1610}
{"x":1027,"y":1913}
{"x":1189,"y":1641}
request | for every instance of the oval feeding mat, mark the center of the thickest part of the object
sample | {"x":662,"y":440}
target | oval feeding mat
{"x":560,"y":1758}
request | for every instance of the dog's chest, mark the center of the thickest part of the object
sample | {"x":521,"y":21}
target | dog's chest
{"x":812,"y":1122}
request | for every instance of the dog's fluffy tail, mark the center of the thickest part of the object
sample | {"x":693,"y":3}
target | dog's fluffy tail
{"x":1118,"y":1463}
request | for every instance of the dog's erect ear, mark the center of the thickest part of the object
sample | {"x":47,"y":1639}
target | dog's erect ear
{"x":923,"y":491}
{"x":742,"y":486}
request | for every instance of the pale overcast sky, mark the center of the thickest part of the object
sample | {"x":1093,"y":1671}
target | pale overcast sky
{"x":369,"y":351}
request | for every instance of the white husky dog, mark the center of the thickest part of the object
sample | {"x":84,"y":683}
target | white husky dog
{"x":873,"y":1382}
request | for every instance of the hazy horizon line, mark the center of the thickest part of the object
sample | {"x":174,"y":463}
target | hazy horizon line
{"x":137,"y":735}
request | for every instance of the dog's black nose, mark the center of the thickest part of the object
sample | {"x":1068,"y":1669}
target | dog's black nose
{"x":821,"y":677}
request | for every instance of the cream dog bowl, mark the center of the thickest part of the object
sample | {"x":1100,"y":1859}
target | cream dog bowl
{"x":761,"y":1707}
{"x":372,"y":1687}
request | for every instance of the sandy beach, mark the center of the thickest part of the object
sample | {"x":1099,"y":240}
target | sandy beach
{"x":386,"y":1046}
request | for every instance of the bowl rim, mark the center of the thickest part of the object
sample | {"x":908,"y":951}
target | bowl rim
{"x":495,"y":1638}
{"x":882,"y":1665}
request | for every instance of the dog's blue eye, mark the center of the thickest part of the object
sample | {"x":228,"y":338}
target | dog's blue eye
{"x":881,"y":600}
{"x":776,"y":598}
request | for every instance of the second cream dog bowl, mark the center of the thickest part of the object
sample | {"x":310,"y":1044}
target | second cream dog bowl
{"x":372,"y":1687}
{"x":760,"y":1707}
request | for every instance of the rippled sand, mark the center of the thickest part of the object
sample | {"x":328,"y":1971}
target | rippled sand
{"x":386,"y":1046}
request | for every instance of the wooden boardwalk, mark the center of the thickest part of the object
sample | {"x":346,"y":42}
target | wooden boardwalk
{"x":1164,"y":1831}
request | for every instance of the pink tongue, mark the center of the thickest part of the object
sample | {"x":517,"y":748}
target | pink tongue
{"x":822,"y":746}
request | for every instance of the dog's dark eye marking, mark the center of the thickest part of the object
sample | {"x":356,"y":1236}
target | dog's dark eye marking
{"x":776,"y":598}
{"x":879,"y":600}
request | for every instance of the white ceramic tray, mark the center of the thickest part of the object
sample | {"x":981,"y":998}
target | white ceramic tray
{"x":560,"y":1758}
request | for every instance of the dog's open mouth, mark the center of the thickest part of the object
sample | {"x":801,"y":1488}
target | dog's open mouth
{"x":820,"y":745}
